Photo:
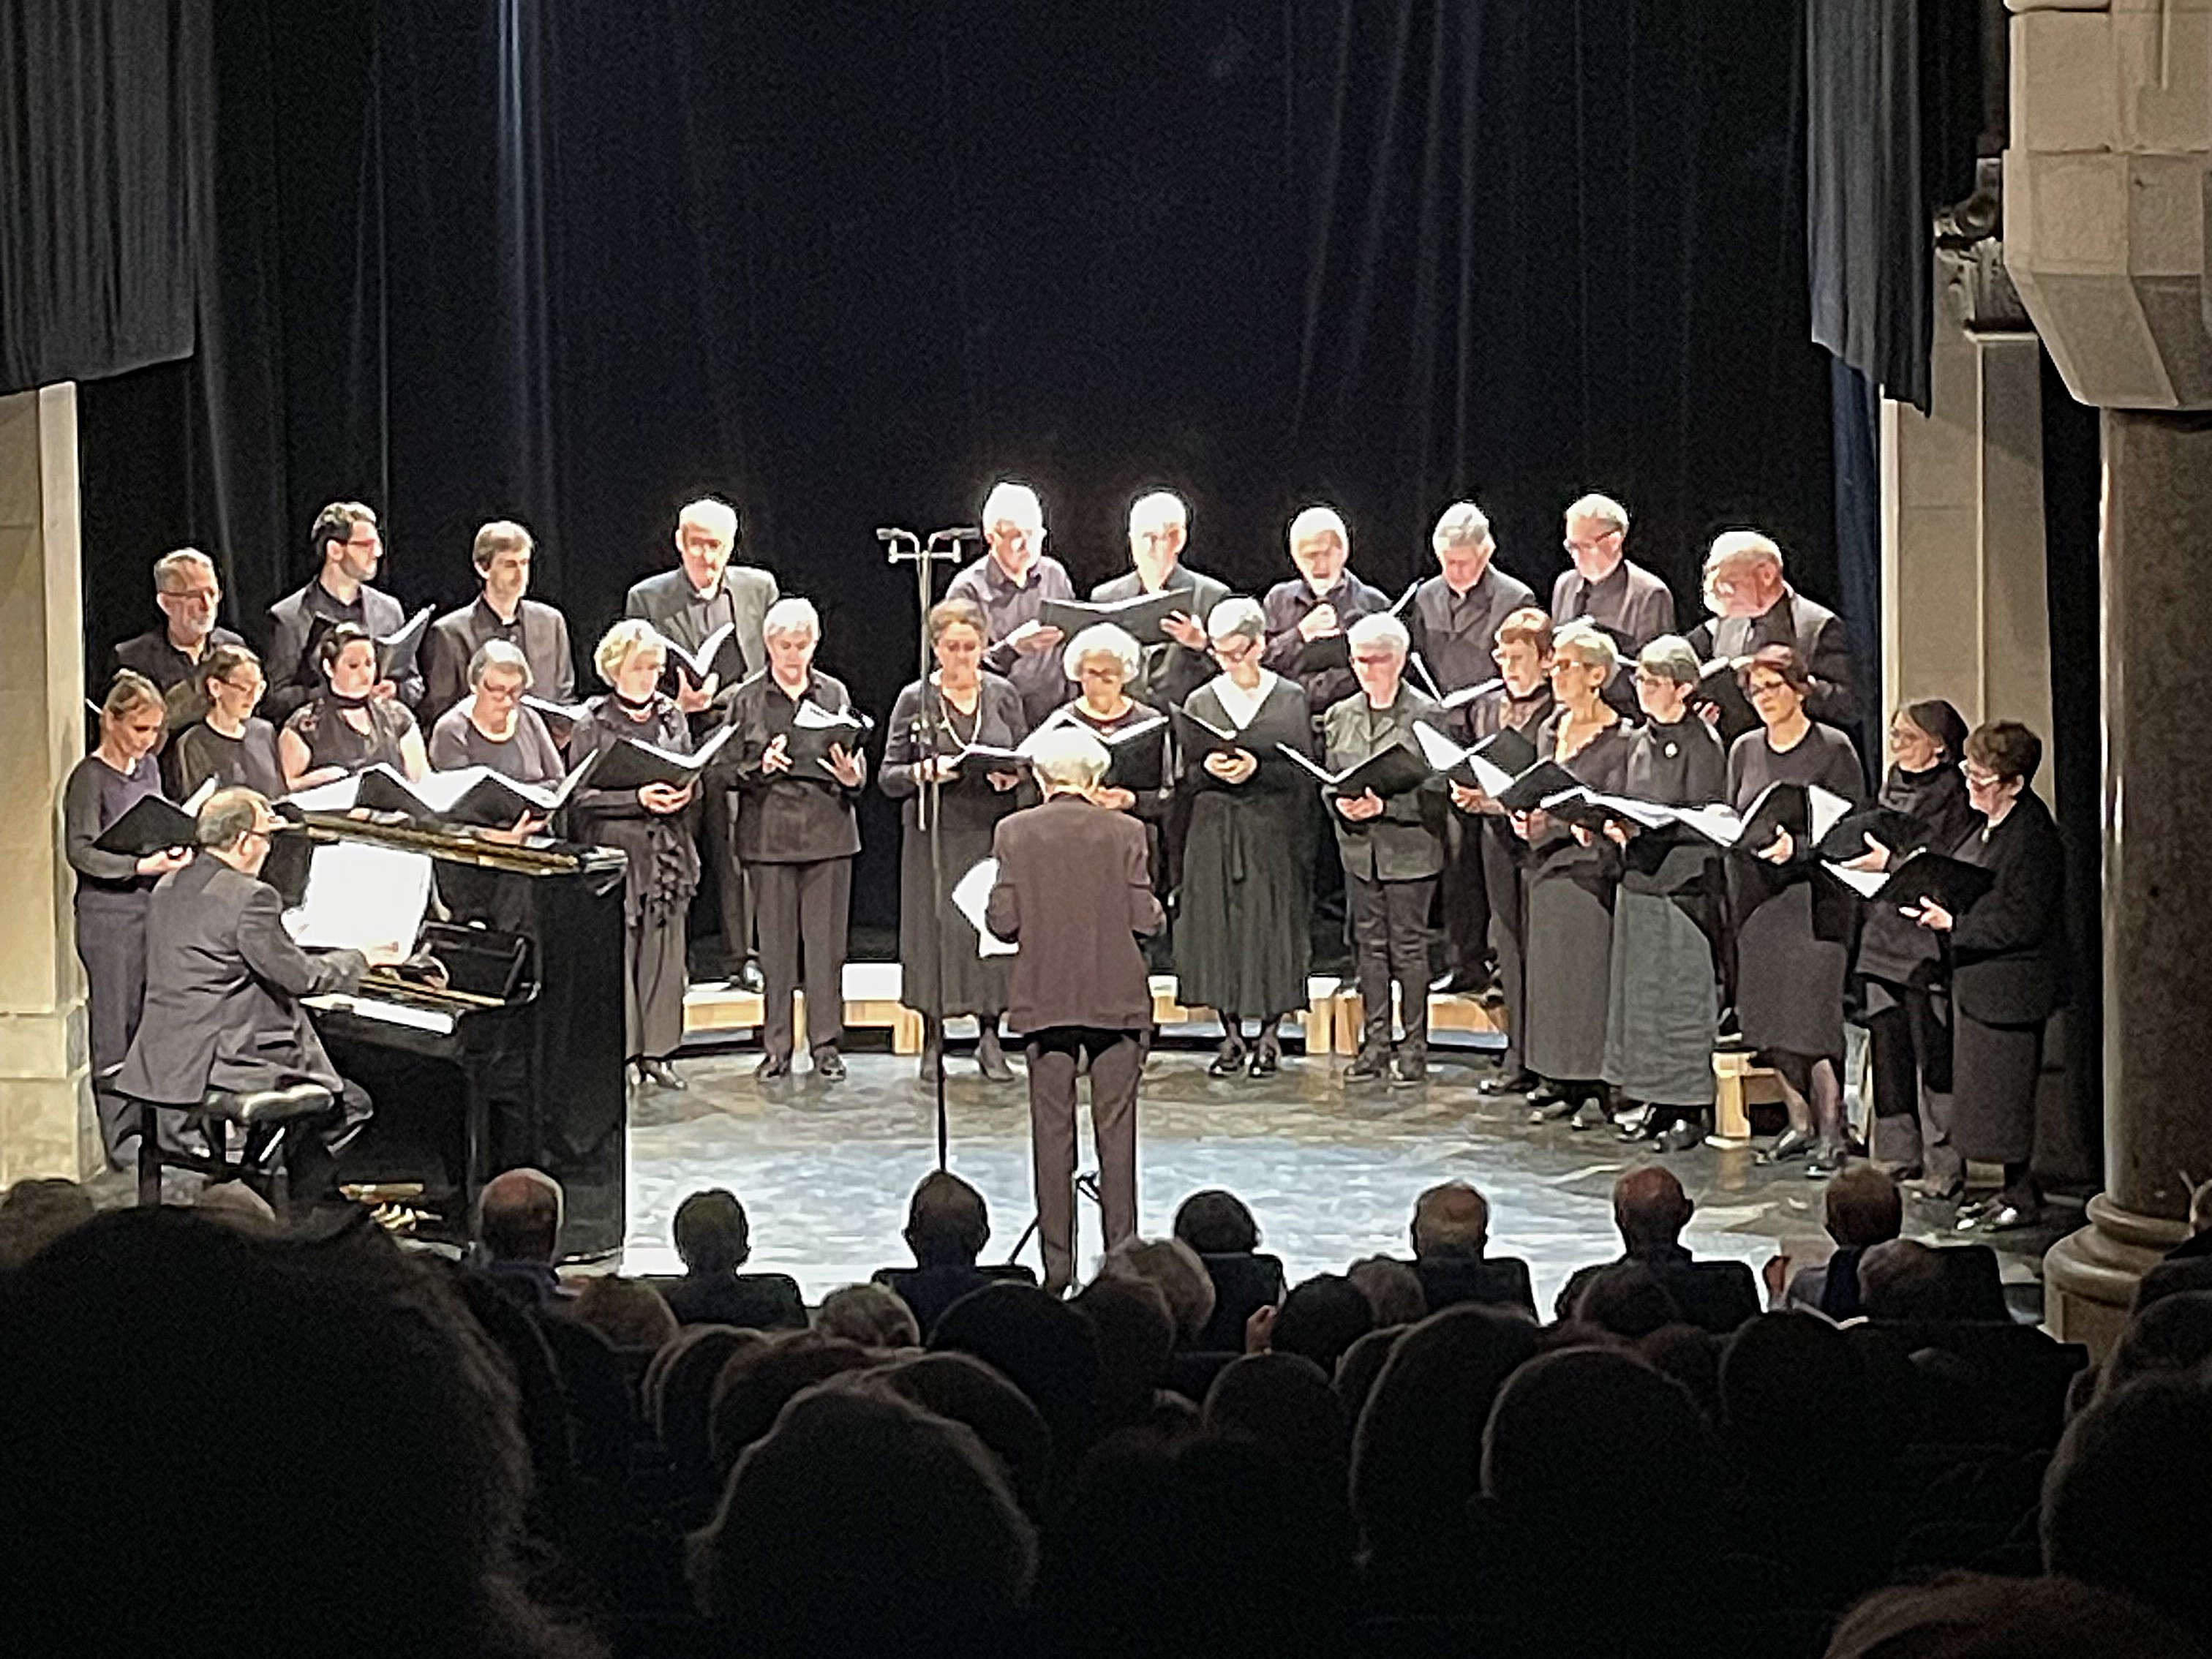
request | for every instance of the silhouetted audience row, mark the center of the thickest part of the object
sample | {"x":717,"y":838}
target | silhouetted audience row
{"x":221,"y":1436}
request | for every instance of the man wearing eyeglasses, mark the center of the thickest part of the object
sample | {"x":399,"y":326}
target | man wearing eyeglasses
{"x":348,"y":548}
{"x":1753,"y":606}
{"x":1159,"y":528}
{"x":190,"y":596}
{"x":1606,"y":587}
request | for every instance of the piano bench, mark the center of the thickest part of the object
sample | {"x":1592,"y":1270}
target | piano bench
{"x":266,"y":1114}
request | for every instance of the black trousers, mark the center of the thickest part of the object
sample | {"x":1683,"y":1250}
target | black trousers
{"x":1508,"y":899}
{"x":1391,"y":946}
{"x":1117,"y":1063}
{"x":1466,"y":896}
{"x":1909,"y":1049}
{"x":733,"y":894}
{"x":802,"y":909}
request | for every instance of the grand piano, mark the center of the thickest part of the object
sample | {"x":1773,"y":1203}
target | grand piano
{"x":517,"y":1057}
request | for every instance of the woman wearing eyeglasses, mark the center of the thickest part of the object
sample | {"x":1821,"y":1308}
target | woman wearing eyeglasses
{"x":2008,"y":970}
{"x":1793,"y":925}
{"x":1903,"y":1001}
{"x":230,"y":743}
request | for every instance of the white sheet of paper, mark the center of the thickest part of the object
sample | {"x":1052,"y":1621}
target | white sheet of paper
{"x":360,"y":896}
{"x":1865,"y":883}
{"x":971,"y":894}
{"x":336,"y":796}
{"x":1827,"y":809}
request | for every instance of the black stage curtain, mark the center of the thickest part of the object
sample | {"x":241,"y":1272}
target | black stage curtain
{"x":844,"y":262}
{"x":104,"y":156}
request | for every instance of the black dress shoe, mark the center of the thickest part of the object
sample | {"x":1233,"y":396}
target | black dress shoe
{"x":991,"y":1055}
{"x":1547,"y":1106}
{"x":1790,"y":1143}
{"x":772,"y":1067}
{"x":1681,"y":1136}
{"x":1228,"y":1060}
{"x":661,"y":1074}
{"x":1520,"y":1083}
{"x":1409,"y":1070}
{"x":746,"y":976}
{"x":931,"y":1064}
{"x":829,"y":1065}
{"x":1266,"y":1056}
{"x":1587,"y":1115}
{"x":1642,"y":1124}
{"x":1827,"y":1160}
{"x":2002,"y":1217}
{"x":1467,"y":981}
{"x":1369,"y":1065}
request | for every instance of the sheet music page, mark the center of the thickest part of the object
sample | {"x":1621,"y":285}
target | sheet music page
{"x":971,"y":894}
{"x":360,"y":896}
{"x":336,"y":796}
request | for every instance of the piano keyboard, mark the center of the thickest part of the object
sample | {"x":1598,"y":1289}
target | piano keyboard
{"x":395,"y":1013}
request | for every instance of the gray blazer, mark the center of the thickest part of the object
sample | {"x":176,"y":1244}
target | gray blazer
{"x":1075,"y":892}
{"x":1406,"y":843}
{"x":1171,"y":672}
{"x":450,"y":646}
{"x":670,"y":602}
{"x":1815,"y":632}
{"x":293,"y":679}
{"x":223,"y":981}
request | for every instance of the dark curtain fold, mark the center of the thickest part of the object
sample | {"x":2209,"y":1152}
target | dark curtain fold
{"x":1855,"y":412}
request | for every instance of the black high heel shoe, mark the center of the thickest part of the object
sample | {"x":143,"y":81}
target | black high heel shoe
{"x":1228,"y":1059}
{"x":1267,"y":1056}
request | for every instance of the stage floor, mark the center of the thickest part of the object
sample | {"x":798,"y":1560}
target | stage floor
{"x":1331,"y":1173}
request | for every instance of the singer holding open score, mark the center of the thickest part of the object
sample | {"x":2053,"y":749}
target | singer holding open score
{"x":349,"y":728}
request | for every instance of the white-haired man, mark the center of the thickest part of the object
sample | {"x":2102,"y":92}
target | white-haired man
{"x":1606,"y":587}
{"x":503,"y":554}
{"x":1317,"y":605}
{"x":1159,"y":529}
{"x":348,"y":546}
{"x":797,"y":833}
{"x":1754,"y":607}
{"x":1391,"y":848}
{"x":687,"y":604}
{"x":1074,"y":894}
{"x":1011,"y":582}
{"x":189,"y":595}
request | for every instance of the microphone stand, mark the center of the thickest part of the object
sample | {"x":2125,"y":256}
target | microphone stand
{"x":943,"y":546}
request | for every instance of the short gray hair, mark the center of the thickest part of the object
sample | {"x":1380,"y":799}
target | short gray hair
{"x":1235,"y":617}
{"x":1588,"y":644}
{"x":1462,"y":524}
{"x":1157,"y":507}
{"x":874,"y":1316}
{"x":229,"y":816}
{"x":1603,"y":508}
{"x":1382,"y":628}
{"x":1015,"y":502}
{"x":1732,"y":545}
{"x":170,"y":568}
{"x":498,"y":653}
{"x":1069,"y":756}
{"x":1671,"y":657}
{"x":791,"y":616}
{"x":710,"y":513}
{"x":1320,"y":521}
{"x":1103,"y":639}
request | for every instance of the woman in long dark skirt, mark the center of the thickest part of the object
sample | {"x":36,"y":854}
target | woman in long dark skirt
{"x":1904,"y":1002}
{"x":931,"y":722}
{"x":1665,"y":1001}
{"x":1794,"y":923}
{"x":1243,"y":934}
{"x":1571,"y":877}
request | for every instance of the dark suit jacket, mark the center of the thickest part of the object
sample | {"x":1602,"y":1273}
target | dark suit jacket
{"x":783,"y":817}
{"x":1496,"y":1281}
{"x":1075,"y":892}
{"x":758,"y":1301}
{"x":223,"y":981}
{"x":1171,"y":672}
{"x":664,"y":600}
{"x":1632,"y":601}
{"x":1460,"y":656}
{"x":1714,"y":1296}
{"x":2008,"y":949}
{"x":451,"y":643}
{"x":1815,"y":632}
{"x":293,"y":679}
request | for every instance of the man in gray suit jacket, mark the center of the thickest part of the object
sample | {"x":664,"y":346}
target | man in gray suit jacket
{"x":1073,"y":893}
{"x":349,"y":547}
{"x":502,"y":554}
{"x":1754,"y":607}
{"x":224,"y":980}
{"x":687,"y":604}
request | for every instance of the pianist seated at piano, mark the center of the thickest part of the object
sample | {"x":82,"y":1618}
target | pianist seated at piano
{"x":651,"y":826}
{"x":346,"y":727}
{"x":224,"y":983}
{"x":229,"y":743}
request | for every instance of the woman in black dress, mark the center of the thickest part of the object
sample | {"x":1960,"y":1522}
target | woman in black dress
{"x":1903,"y":1001}
{"x":111,"y":887}
{"x":1794,"y":923}
{"x":653,"y":827}
{"x":2008,"y":970}
{"x":1243,"y":931}
{"x":347,"y":728}
{"x":1666,"y":913}
{"x":230,"y":743}
{"x":931,"y":722}
{"x":1572,"y":877}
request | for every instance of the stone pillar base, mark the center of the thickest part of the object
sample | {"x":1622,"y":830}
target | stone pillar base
{"x":2089,"y":1277}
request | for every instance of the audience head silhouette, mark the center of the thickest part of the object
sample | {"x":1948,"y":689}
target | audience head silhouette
{"x":947,"y":1223}
{"x":1650,"y":1209}
{"x":1216,"y":1223}
{"x":1452,"y":1220}
{"x":519,"y":1217}
{"x":713,"y":1235}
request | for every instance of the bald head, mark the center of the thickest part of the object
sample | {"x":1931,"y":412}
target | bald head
{"x":1864,"y":1208}
{"x":1451,"y":1220}
{"x":519,"y":1216}
{"x":1650,"y":1209}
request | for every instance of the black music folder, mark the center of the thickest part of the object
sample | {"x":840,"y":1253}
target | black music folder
{"x":154,"y":823}
{"x":1392,"y":770}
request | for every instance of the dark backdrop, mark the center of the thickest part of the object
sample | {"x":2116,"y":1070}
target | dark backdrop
{"x":845,"y":263}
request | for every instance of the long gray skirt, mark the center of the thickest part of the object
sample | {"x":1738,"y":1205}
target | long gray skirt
{"x":1569,"y":970}
{"x":1789,"y":981}
{"x":974,"y":983}
{"x":1659,"y":1031}
{"x":1994,"y":1070}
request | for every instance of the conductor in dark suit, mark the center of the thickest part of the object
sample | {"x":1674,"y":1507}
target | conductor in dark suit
{"x":687,"y":604}
{"x":2008,"y":970}
{"x":1754,"y":606}
{"x":1074,"y":893}
{"x":348,"y":548}
{"x":502,"y":554}
{"x":224,"y":980}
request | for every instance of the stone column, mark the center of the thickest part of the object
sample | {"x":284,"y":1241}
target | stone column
{"x":2158,"y":870}
{"x":45,"y":1119}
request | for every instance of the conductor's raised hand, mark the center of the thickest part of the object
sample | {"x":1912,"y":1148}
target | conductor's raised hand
{"x":1361,"y":807}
